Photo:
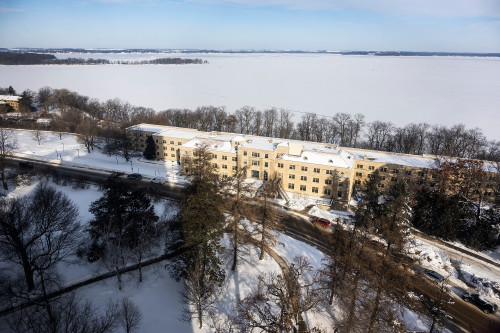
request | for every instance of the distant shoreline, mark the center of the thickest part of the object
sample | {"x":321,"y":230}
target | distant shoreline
{"x":51,"y":51}
{"x":11,"y":58}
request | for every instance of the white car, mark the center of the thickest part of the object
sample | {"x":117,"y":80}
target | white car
{"x":158,"y":180}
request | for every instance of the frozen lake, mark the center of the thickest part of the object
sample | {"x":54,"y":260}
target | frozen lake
{"x":437,"y":90}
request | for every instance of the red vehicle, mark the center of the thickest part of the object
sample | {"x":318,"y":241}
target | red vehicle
{"x":321,"y":222}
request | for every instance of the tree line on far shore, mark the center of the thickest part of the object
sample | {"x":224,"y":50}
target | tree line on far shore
{"x":29,"y":58}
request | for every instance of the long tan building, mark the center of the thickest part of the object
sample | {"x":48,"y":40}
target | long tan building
{"x":325,"y":171}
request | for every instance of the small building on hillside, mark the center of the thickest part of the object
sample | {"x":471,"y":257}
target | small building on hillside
{"x":9,"y":103}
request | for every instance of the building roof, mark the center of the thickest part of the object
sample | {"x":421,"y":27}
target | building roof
{"x":179,"y":134}
{"x":396,"y":159}
{"x":10,"y":98}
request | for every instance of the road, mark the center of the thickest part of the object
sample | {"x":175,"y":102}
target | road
{"x":466,"y":317}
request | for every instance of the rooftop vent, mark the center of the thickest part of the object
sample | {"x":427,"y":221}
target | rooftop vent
{"x":330,"y":161}
{"x":305,"y":158}
{"x":249,"y":140}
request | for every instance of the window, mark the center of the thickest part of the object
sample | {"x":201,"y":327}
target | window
{"x":382,"y":178}
{"x":254,"y":154}
{"x":339,"y":194}
{"x":164,"y":148}
{"x":266,"y":164}
{"x":292,"y":167}
{"x":302,"y":187}
{"x":291,"y":186}
{"x":328,"y":181}
{"x":408,"y":172}
{"x":164,"y":141}
{"x":359,"y":166}
{"x":214,"y":156}
{"x":303,"y":178}
{"x":327,"y":191}
{"x":280,"y":165}
{"x":245,"y":161}
{"x":266,"y":156}
{"x":224,"y":166}
{"x":421,"y":174}
{"x":165,"y":154}
{"x":172,"y":155}
{"x":315,"y":180}
{"x":359,"y":174}
{"x":171,"y":142}
{"x":255,"y":163}
{"x":383,"y":169}
{"x":172,"y":149}
{"x":179,"y":143}
{"x":381,"y":185}
{"x":255,"y":174}
{"x":215,"y":165}
{"x":234,"y":159}
{"x":357,"y":182}
{"x":234,"y":168}
{"x":244,"y":153}
{"x":224,"y":157}
{"x":303,"y":168}
{"x":224,"y":175}
{"x":317,"y":170}
{"x":291,"y":176}
{"x":314,"y":190}
{"x":371,"y":167}
{"x":394,"y":179}
{"x":395,"y":171}
{"x":329,"y":172}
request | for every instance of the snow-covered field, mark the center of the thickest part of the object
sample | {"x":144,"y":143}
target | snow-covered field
{"x":444,"y":90}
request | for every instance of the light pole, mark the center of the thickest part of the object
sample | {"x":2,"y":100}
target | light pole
{"x":57,"y":155}
{"x":63,"y":146}
{"x":131,"y":166}
{"x":78,"y":150}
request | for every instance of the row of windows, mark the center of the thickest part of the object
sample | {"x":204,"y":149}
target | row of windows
{"x":303,"y":188}
{"x":255,"y":154}
{"x":171,"y":142}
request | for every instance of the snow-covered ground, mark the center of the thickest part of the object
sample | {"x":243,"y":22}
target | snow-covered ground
{"x":443,"y":90}
{"x":70,"y":152}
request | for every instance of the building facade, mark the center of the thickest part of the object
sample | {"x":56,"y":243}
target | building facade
{"x":325,"y":171}
{"x":10,"y":100}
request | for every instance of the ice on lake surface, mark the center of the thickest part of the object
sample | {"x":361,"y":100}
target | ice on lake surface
{"x":436,"y":90}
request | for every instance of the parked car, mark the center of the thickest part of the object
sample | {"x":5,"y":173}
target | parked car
{"x":158,"y":180}
{"x":26,"y":165}
{"x":135,"y":176}
{"x":321,"y":222}
{"x":434,"y":275}
{"x":485,"y":305}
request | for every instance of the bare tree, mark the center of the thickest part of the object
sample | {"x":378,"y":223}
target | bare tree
{"x":69,"y":315}
{"x":87,"y":133}
{"x":43,"y":97}
{"x":266,"y":216}
{"x":38,"y":135}
{"x":237,"y":192}
{"x":130,"y":316}
{"x":8,"y":144}
{"x":38,"y":231}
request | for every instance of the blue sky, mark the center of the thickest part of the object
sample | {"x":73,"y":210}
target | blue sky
{"x":412,"y":25}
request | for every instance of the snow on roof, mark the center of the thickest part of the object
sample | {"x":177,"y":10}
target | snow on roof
{"x":180,"y":134}
{"x":339,"y":160}
{"x":149,"y":128}
{"x":10,"y":98}
{"x":396,"y":159}
{"x":211,"y":143}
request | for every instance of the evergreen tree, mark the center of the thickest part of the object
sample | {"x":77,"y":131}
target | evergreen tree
{"x":120,"y":214}
{"x":199,"y":229}
{"x":150,"y":150}
{"x":369,"y":208}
